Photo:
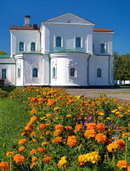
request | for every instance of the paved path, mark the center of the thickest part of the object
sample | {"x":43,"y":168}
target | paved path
{"x":122,"y":93}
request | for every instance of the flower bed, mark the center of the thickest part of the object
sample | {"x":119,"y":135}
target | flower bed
{"x":68,"y":132}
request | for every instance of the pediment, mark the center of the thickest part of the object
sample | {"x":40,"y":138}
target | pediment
{"x":69,"y":18}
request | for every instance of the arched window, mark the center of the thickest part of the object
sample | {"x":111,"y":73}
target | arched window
{"x":99,"y":72}
{"x":35,"y":72}
{"x":21,"y":46}
{"x":33,"y":46}
{"x":102,"y":48}
{"x":58,"y":41}
{"x":78,"y":42}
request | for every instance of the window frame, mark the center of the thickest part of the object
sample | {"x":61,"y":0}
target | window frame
{"x":102,"y":48}
{"x":4,"y":76}
{"x":58,"y":45}
{"x":76,"y":43}
{"x":35,"y":73}
{"x":99,"y":72}
{"x":33,"y":44}
{"x":21,"y":47}
{"x":72,"y":72}
{"x":54,"y":72}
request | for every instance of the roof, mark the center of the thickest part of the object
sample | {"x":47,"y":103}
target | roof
{"x":34,"y":27}
{"x":102,"y":30}
{"x":68,"y":51}
{"x":5,"y":56}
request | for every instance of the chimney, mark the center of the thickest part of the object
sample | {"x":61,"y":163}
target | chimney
{"x":27,"y":20}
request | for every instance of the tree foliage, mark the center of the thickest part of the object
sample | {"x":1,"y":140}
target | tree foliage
{"x":122,"y":66}
{"x":2,"y":52}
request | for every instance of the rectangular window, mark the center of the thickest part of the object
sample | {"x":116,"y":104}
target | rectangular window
{"x":72,"y":72}
{"x":53,"y":72}
{"x":3,"y":74}
{"x":19,"y":72}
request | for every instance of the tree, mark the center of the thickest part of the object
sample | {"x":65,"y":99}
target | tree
{"x":2,"y":52}
{"x":121,"y":66}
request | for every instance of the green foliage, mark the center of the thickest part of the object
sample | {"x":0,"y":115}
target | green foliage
{"x":2,"y":52}
{"x":122,"y":66}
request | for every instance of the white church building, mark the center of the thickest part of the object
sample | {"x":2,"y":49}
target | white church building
{"x":64,"y":51}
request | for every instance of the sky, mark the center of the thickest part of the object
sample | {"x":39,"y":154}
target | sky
{"x":111,"y":14}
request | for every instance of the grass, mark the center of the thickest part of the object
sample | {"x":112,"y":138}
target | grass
{"x":13,"y":117}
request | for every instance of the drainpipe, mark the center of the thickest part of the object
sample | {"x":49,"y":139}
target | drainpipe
{"x":88,"y":69}
{"x":49,"y":68}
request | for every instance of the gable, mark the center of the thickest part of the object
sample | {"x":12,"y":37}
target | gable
{"x":69,"y":18}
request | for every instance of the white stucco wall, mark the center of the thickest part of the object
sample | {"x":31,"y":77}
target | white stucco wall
{"x":103,"y":37}
{"x":64,"y":61}
{"x":68,"y":34}
{"x":26,"y":36}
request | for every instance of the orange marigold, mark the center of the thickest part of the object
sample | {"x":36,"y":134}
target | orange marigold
{"x":128,"y":168}
{"x":28,"y":127}
{"x":33,"y":111}
{"x":33,"y":151}
{"x":72,"y":141}
{"x":90,"y":133}
{"x":78,"y":128}
{"x":18,"y":158}
{"x":57,"y":132}
{"x":101,"y":127}
{"x":91,"y":126}
{"x":34,"y":159}
{"x":101,"y":138}
{"x":32,"y":134}
{"x":24,"y":133}
{"x":59,"y":126}
{"x":68,"y":127}
{"x":4,"y":165}
{"x":9,"y":153}
{"x":122,"y":164}
{"x":33,"y":164}
{"x":47,"y":159}
{"x":43,"y":126}
{"x":41,"y":150}
{"x":21,"y":149}
{"x":57,"y":140}
{"x":33,"y":119}
{"x":120,"y":142}
{"x":33,"y":99}
{"x":51,"y":102}
{"x":22,"y":141}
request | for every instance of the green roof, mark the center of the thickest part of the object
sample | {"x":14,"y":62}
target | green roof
{"x":5,"y":56}
{"x":39,"y":53}
{"x":69,"y":51}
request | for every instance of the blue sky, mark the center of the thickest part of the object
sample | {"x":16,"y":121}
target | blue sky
{"x":111,"y":14}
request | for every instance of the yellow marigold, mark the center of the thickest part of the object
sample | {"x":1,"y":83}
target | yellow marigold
{"x":48,"y":132}
{"x":101,"y":127}
{"x":34,"y":140}
{"x":44,"y":143}
{"x":91,"y":126}
{"x":122,"y":164}
{"x":72,"y":141}
{"x":112,"y":147}
{"x":62,"y":162}
{"x":57,"y":108}
{"x":41,"y":150}
{"x":9,"y":153}
{"x":101,"y":138}
{"x":57,"y":132}
{"x":78,"y":128}
{"x":21,"y":149}
{"x":47,"y":159}
{"x":22,"y":141}
{"x":33,"y":151}
{"x":51,"y":102}
{"x":48,"y":115}
{"x":4,"y":165}
{"x":34,"y":159}
{"x":59,"y":126}
{"x":101,"y":113}
{"x":57,"y":140}
{"x":90,"y":133}
{"x":18,"y":158}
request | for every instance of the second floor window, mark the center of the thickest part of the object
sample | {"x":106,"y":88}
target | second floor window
{"x":72,"y":72}
{"x":78,"y":42}
{"x":3,"y":74}
{"x":58,"y":41}
{"x":102,"y":48}
{"x":99,"y":72}
{"x":33,"y":46}
{"x":21,"y":46}
{"x":35,"y":72}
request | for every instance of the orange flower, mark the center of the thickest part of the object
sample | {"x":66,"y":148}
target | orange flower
{"x":47,"y":159}
{"x":33,"y":164}
{"x":72,"y":141}
{"x":23,"y":133}
{"x":33,"y":99}
{"x":41,"y":150}
{"x":51,"y":102}
{"x":59,"y":126}
{"x":57,"y":132}
{"x":34,"y":159}
{"x":101,"y":127}
{"x":112,"y":147}
{"x":21,"y":149}
{"x":32,"y":134}
{"x":9,"y":153}
{"x":120,"y":142}
{"x":43,"y":126}
{"x":60,"y":97}
{"x":68,"y":127}
{"x":90,"y":133}
{"x":101,"y":138}
{"x":128,"y":168}
{"x":33,"y":111}
{"x":33,"y":151}
{"x":57,"y":140}
{"x":29,"y":127}
{"x":18,"y":158}
{"x":33,"y":119}
{"x":57,"y":108}
{"x":78,"y":128}
{"x":4,"y":165}
{"x":91,"y":126}
{"x":22,"y":141}
{"x":41,"y":100}
{"x":122,"y":164}
{"x":34,"y":140}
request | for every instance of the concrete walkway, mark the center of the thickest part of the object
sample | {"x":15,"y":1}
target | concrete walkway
{"x":122,"y":93}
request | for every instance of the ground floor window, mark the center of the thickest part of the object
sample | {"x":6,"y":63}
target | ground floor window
{"x":72,"y":72}
{"x":35,"y":72}
{"x":19,"y":72}
{"x":53,"y":72}
{"x":3,"y":74}
{"x":99,"y":72}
